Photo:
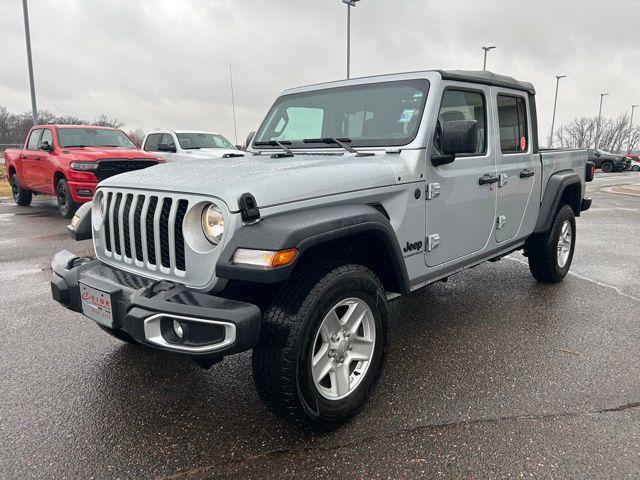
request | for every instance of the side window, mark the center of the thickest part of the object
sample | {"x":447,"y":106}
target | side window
{"x":303,"y":122}
{"x":34,"y":139}
{"x":466,"y":105}
{"x":512,"y":118}
{"x":168,"y":139}
{"x":151,"y":145}
{"x":46,"y":137}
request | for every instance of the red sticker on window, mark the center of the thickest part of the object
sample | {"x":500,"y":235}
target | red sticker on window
{"x":523,"y":144}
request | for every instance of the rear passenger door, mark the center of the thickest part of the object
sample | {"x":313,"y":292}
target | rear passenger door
{"x":517,"y":170}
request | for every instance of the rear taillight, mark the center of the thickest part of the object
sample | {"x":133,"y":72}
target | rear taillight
{"x":590,"y":171}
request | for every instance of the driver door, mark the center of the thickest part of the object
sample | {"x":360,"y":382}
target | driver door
{"x":460,"y":208}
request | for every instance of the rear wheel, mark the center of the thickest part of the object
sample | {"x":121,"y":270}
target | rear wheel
{"x":322,"y":346}
{"x":607,"y":167}
{"x":21,"y":196}
{"x":550,"y":254}
{"x":66,"y":206}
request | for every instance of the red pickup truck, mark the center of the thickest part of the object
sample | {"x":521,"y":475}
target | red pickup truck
{"x":69,"y":161}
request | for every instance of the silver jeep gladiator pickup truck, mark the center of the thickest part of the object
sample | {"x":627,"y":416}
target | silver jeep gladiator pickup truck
{"x":353,"y":193}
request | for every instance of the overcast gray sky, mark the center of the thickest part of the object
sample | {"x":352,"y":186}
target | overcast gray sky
{"x":163,"y":63}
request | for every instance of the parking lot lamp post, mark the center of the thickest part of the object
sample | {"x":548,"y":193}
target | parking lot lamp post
{"x":27,"y":35}
{"x":233,"y":107}
{"x":486,"y":50}
{"x":555,"y":105}
{"x":633,"y":107}
{"x":349,"y":4}
{"x":602,"y":95}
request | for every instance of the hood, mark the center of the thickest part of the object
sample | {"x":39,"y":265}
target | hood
{"x":103,"y":153}
{"x":272,"y":181}
{"x":204,"y":153}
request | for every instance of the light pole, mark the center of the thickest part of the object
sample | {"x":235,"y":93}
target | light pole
{"x":555,"y":104}
{"x":486,"y":50}
{"x":27,"y":35}
{"x":602,"y":95}
{"x":349,"y":4}
{"x":633,"y":107}
{"x":233,"y":106}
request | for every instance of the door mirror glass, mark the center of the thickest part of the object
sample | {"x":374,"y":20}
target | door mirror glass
{"x":247,"y":142}
{"x":165,"y":147}
{"x":46,"y":146}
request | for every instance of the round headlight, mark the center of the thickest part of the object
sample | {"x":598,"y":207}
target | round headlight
{"x":213,"y":223}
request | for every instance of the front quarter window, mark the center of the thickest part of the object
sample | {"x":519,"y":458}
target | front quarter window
{"x":369,"y":115}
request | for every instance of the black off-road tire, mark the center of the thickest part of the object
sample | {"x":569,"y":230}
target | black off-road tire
{"x":607,"y":167}
{"x":119,"y":334}
{"x":281,"y":360}
{"x":66,"y":206}
{"x":542,"y":249}
{"x":21,"y":196}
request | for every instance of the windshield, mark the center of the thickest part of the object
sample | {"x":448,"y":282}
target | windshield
{"x":93,"y":137}
{"x":190,"y":141}
{"x":379,"y":114}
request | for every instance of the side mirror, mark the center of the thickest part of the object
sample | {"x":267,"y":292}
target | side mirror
{"x":46,"y":146}
{"x":165,"y":147}
{"x":80,"y":228}
{"x":239,"y":147}
{"x":456,"y":137}
{"x":249,"y":139}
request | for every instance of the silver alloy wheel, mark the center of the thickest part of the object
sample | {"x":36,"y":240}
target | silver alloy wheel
{"x":564,"y":244}
{"x":343,"y":348}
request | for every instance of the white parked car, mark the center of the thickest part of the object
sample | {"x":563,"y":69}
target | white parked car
{"x":176,"y":145}
{"x":635,"y":164}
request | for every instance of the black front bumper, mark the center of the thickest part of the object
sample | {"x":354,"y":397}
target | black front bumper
{"x":144,"y":309}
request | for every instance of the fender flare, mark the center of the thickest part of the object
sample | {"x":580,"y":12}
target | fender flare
{"x":557,"y":184}
{"x":306,"y":229}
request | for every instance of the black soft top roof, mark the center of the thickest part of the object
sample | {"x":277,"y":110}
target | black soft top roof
{"x":487,"y":78}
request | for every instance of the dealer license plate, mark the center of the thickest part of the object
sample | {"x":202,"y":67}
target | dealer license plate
{"x":96,"y":305}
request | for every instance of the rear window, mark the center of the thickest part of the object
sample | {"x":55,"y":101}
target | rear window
{"x":512,"y":117}
{"x":151,"y":145}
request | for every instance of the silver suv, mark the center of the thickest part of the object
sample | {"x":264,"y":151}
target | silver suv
{"x":353,"y":193}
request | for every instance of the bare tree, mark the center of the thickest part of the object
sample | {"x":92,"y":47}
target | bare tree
{"x":136,"y":135}
{"x":616,"y":135}
{"x":104,"y":121}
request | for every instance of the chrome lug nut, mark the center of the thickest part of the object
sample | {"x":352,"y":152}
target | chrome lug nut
{"x":347,"y":334}
{"x":341,"y":359}
{"x":349,"y":347}
{"x":335,"y":337}
{"x":332,"y":353}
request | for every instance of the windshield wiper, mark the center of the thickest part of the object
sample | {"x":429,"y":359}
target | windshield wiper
{"x":341,"y":142}
{"x":276,"y":143}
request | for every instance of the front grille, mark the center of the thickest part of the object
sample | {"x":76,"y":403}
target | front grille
{"x":146,"y":229}
{"x":109,"y":168}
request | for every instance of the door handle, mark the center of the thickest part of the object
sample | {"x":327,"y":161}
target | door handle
{"x":36,"y":158}
{"x":24,"y":157}
{"x":526,"y":173}
{"x":487,"y":179}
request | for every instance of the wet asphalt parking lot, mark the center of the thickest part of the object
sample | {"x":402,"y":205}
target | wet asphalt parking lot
{"x":490,"y":375}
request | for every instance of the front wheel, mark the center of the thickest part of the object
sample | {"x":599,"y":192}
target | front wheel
{"x":550,"y":254}
{"x":322,"y":345}
{"x":21,"y":196}
{"x":66,"y":206}
{"x":607,"y":167}
{"x":635,"y":168}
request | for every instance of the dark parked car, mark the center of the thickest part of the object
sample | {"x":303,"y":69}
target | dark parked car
{"x":608,"y":162}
